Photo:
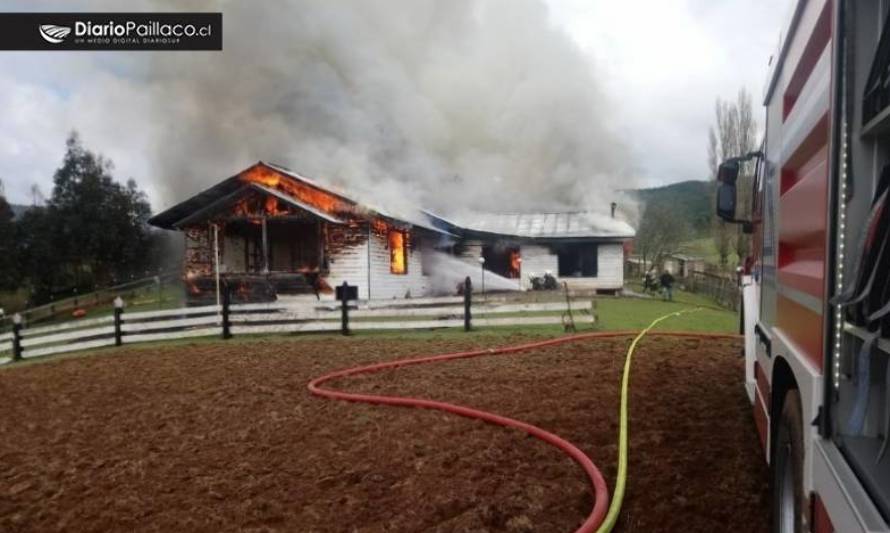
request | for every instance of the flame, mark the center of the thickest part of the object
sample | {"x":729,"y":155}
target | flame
{"x":380,"y":227}
{"x":303,"y":192}
{"x":515,"y":263}
{"x":263,"y":176}
{"x":397,"y":252}
{"x":272,"y":207}
{"x":253,"y":206}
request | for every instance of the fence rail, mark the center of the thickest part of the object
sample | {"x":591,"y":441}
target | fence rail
{"x":228,"y":319}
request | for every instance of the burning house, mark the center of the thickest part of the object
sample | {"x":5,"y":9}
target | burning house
{"x":584,"y":249}
{"x":268,"y":233}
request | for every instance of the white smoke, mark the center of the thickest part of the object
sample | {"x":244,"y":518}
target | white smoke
{"x":477,"y":104}
{"x":447,"y":273}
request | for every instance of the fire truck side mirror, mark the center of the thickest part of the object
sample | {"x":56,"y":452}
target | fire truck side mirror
{"x":727,"y":175}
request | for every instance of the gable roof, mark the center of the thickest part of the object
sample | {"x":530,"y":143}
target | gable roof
{"x":296,"y":190}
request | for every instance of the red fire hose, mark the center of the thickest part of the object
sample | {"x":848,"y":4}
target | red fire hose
{"x":601,"y":494}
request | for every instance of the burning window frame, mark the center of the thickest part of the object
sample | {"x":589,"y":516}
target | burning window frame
{"x":397,"y":241}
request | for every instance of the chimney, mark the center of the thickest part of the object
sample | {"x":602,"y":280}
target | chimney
{"x":614,"y":206}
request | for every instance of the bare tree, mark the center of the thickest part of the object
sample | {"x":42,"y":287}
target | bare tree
{"x":734,"y":134}
{"x":662,"y":230}
{"x":37,"y":197}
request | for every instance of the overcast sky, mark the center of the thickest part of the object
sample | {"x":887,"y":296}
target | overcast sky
{"x":661,"y":64}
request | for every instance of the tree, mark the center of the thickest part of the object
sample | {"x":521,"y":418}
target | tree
{"x":661,"y":232}
{"x":38,"y":260}
{"x":37,"y":197}
{"x":734,"y":134}
{"x":92,"y":230}
{"x":9,"y":268}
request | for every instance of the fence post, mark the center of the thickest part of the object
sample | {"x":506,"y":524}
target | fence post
{"x":468,"y":300}
{"x":16,"y":337}
{"x":226,"y":324}
{"x":344,"y":311}
{"x":118,"y":311}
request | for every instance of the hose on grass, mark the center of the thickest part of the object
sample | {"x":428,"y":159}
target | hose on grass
{"x":597,"y":516}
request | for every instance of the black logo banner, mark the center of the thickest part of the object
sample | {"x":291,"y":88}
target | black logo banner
{"x":111,"y":31}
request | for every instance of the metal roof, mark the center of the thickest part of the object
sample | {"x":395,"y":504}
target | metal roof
{"x":560,"y":225}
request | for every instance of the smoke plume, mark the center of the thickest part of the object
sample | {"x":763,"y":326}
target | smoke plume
{"x":466,"y":104}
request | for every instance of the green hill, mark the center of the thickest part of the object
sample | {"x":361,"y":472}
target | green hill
{"x":692,"y":199}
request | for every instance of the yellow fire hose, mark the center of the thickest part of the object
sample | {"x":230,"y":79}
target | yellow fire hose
{"x":618,"y":494}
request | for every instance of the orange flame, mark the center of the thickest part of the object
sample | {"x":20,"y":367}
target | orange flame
{"x":397,"y":263}
{"x":515,"y":263}
{"x":272,"y":207}
{"x":380,"y":227}
{"x":303,"y":192}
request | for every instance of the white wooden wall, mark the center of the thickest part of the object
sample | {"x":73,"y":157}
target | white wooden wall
{"x":385,"y":284}
{"x":537,"y":259}
{"x":351,"y":265}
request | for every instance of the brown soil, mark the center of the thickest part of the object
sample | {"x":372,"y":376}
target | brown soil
{"x":215,"y":436}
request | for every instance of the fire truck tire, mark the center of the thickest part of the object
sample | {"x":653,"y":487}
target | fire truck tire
{"x":789,"y":508}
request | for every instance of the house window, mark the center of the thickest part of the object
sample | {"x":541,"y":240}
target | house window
{"x":398,"y":263}
{"x":578,"y":260}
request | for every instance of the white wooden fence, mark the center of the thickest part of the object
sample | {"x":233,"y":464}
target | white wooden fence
{"x":279,"y":317}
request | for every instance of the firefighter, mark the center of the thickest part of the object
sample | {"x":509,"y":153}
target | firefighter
{"x":667,"y":285}
{"x":649,"y":282}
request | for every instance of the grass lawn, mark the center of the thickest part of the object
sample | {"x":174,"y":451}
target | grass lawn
{"x":144,"y":299}
{"x":635,"y":314}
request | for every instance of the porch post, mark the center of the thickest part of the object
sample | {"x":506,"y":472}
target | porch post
{"x":368,"y":259}
{"x":468,"y":299}
{"x":216,"y":260}
{"x":265,"y":247}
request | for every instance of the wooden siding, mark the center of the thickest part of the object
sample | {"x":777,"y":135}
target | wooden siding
{"x":385,"y":284}
{"x":350,"y":263}
{"x":348,"y":260}
{"x":538,"y":259}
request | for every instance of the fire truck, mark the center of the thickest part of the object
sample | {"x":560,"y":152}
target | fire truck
{"x":816,"y":289}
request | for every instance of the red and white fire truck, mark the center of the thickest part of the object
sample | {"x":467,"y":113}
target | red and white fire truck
{"x":816,"y":290}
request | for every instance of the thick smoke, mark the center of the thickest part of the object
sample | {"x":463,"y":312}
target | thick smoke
{"x":458,"y":104}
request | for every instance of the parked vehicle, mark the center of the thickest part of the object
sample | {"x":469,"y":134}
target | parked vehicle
{"x":816,"y":288}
